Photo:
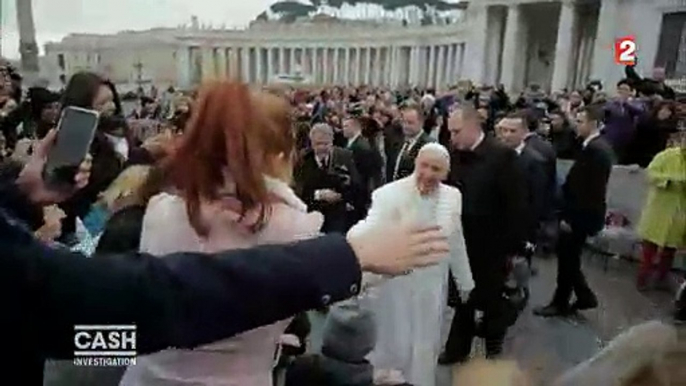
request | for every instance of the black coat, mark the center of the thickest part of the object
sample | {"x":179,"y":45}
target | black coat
{"x":182,"y":300}
{"x":309,"y":177}
{"x":532,"y":166}
{"x":494,"y":208}
{"x":585,"y":189}
{"x":547,"y":151}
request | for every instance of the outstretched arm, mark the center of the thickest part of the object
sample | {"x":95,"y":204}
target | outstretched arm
{"x":182,"y":300}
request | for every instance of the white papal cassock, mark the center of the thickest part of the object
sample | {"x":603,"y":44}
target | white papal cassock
{"x":409,"y":309}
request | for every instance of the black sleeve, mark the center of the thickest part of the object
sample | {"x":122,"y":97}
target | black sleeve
{"x":122,"y":232}
{"x":181,"y":300}
{"x":630,"y":72}
{"x":513,"y":187}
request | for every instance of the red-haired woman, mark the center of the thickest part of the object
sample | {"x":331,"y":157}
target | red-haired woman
{"x":230,"y":175}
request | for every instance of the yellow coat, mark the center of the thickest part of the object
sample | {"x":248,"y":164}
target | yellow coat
{"x":663,"y":220}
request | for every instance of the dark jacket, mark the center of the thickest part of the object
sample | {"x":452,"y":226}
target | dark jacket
{"x":183,"y":300}
{"x":565,"y":142}
{"x":122,"y":232}
{"x":406,"y":166}
{"x":546,"y":150}
{"x":493,"y":211}
{"x":532,"y":166}
{"x":585,"y":189}
{"x":309,"y":178}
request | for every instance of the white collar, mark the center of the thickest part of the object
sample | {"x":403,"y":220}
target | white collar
{"x":528,"y":135}
{"x":591,"y":138}
{"x":120,"y":144}
{"x":520,"y":147}
{"x":352,"y":140}
{"x":414,"y":139}
{"x":478,"y":141}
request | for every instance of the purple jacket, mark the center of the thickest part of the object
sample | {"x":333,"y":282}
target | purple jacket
{"x":620,"y":122}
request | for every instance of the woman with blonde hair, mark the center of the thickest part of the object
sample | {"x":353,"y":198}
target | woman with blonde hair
{"x":230,"y":176}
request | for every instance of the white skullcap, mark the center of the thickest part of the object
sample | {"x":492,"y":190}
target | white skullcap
{"x":435,"y":149}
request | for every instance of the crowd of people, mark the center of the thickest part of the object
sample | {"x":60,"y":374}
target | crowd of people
{"x":228,"y":167}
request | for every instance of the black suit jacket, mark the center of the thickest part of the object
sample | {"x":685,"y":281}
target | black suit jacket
{"x":493,"y":211}
{"x":368,"y":162}
{"x":406,"y":166}
{"x":532,"y":166}
{"x":585,"y":189}
{"x":182,"y":300}
{"x":309,"y":177}
{"x":547,"y":151}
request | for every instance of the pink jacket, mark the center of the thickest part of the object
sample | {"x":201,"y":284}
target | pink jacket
{"x":246,"y":359}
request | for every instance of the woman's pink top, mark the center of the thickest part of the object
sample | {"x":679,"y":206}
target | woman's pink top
{"x":246,"y":359}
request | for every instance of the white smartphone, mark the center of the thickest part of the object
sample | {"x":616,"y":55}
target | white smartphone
{"x":75,"y":133}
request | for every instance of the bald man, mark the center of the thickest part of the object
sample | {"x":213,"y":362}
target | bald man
{"x":409,"y":310}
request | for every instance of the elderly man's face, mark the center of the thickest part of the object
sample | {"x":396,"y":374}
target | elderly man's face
{"x":430,"y":169}
{"x":321,"y":143}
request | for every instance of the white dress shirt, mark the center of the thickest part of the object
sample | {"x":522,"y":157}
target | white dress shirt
{"x":591,"y":138}
{"x":478,"y":141}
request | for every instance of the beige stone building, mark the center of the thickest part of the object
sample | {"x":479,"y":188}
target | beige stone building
{"x":555,"y":44}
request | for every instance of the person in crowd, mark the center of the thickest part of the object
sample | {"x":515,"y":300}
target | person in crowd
{"x":12,"y":111}
{"x":654,"y":132}
{"x":663,"y":221}
{"x":583,"y":215}
{"x":240,"y":154}
{"x":621,"y":115}
{"x":409,"y":310}
{"x":562,"y":135}
{"x":110,"y":149}
{"x":657,"y":81}
{"x":493,"y":209}
{"x":348,"y":336}
{"x":326,"y":179}
{"x":181,"y":113}
{"x":180,"y":301}
{"x":45,"y":110}
{"x":512,"y":130}
{"x":367,"y":163}
{"x":574,"y":103}
{"x":401,"y":158}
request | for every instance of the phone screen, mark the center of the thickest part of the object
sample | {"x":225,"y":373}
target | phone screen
{"x":74,"y":136}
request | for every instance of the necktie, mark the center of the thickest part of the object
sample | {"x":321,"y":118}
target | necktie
{"x":403,"y":151}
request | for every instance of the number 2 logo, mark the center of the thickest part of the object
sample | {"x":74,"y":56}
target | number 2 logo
{"x":625,"y":51}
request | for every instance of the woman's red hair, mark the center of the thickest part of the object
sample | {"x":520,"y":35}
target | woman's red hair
{"x":234,"y":131}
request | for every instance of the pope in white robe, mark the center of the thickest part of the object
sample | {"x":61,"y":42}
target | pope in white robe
{"x":409,"y":309}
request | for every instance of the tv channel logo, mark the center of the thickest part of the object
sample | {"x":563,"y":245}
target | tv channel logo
{"x":625,"y":51}
{"x":105,"y":345}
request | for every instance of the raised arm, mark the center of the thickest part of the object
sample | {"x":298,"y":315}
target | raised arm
{"x":181,"y":300}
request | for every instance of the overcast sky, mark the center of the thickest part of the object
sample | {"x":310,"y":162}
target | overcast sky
{"x":57,"y":18}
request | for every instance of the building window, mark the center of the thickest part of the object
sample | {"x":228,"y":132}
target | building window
{"x":672,"y":45}
{"x":60,"y":61}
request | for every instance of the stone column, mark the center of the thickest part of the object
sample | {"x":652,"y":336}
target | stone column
{"x":476,"y":45}
{"x":357,"y":79}
{"x":292,"y":62}
{"x":440,"y":69}
{"x":431,"y":81}
{"x":259,"y":66}
{"x":208,"y":63}
{"x":245,"y":64}
{"x":336,"y":65}
{"x":183,"y":67}
{"x":510,"y":76}
{"x":282,"y":60}
{"x":603,"y":56}
{"x":325,"y":65}
{"x":270,"y":64}
{"x":368,"y":66}
{"x":414,"y":62}
{"x":313,"y":64}
{"x":220,"y":63}
{"x":564,"y":46}
{"x":494,"y":44}
{"x":450,"y":66}
{"x":460,"y":51}
{"x":392,"y":66}
{"x":346,"y":66}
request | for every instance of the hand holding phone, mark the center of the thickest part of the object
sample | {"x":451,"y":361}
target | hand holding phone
{"x":75,"y":133}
